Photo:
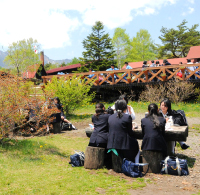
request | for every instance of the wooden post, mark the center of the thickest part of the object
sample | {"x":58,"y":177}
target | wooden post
{"x":153,"y":158}
{"x":116,"y":163}
{"x":94,"y":158}
{"x":56,"y":128}
{"x":170,"y":147}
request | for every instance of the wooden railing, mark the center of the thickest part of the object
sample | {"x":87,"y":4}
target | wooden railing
{"x":144,"y":75}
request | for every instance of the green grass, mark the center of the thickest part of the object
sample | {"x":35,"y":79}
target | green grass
{"x":41,"y":166}
{"x":196,"y":127}
{"x":86,"y":111}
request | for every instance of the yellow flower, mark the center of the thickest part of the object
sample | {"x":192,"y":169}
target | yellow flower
{"x":41,"y":146}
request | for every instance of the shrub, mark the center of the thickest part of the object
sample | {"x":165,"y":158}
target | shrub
{"x":73,"y":93}
{"x":15,"y":103}
{"x":175,"y":89}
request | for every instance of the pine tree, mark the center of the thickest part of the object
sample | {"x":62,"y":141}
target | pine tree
{"x":178,"y":42}
{"x":99,"y":54}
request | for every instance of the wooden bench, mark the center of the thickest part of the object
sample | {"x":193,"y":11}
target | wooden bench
{"x":179,"y":133}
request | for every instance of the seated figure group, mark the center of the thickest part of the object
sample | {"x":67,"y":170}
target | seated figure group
{"x":116,"y":132}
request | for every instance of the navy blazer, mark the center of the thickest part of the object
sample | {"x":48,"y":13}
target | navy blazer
{"x":121,"y":134}
{"x":100,"y":133}
{"x":153,"y":138}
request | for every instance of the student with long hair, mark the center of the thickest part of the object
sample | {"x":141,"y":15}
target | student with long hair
{"x":121,"y":137}
{"x":178,"y":118}
{"x":99,"y":136}
{"x":62,"y":115}
{"x":153,"y":130}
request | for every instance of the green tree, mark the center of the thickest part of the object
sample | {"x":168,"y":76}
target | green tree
{"x":142,"y":47}
{"x":49,"y":66}
{"x":121,"y":43}
{"x":99,"y":53}
{"x":21,"y":55}
{"x":72,"y":92}
{"x":176,"y":43}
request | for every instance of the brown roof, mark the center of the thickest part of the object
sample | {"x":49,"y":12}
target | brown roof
{"x":60,"y":69}
{"x":194,"y":52}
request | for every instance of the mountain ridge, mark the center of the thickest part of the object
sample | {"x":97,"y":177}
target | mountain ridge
{"x":46,"y":60}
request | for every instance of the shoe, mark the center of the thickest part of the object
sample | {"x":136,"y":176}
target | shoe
{"x":185,"y":146}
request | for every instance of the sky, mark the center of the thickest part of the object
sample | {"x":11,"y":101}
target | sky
{"x":60,"y":26}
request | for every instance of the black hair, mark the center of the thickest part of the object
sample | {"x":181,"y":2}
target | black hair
{"x":124,"y":97}
{"x":58,"y":100}
{"x":157,"y":62}
{"x":165,"y":61}
{"x":145,"y":62}
{"x":152,"y":61}
{"x":112,"y":65}
{"x":91,"y":69}
{"x":126,"y":63}
{"x":99,"y":109}
{"x":153,"y":114}
{"x":120,"y":106}
{"x":167,"y":103}
{"x":180,"y":62}
{"x":188,"y":60}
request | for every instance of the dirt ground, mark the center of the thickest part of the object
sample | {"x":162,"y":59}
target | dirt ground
{"x":164,"y":184}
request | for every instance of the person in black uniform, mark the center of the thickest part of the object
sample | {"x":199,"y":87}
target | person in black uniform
{"x":99,"y":136}
{"x":121,"y":137}
{"x":153,"y":130}
{"x":178,"y":118}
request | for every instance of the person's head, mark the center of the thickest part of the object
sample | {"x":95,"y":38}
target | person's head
{"x":153,"y":109}
{"x":145,"y":62}
{"x":188,"y":60}
{"x":180,"y":63}
{"x":126,"y":63}
{"x":56,"y":100}
{"x":152,"y":61}
{"x":165,"y":61}
{"x":90,"y":70}
{"x":165,"y":106}
{"x":99,"y":109}
{"x":120,"y":107}
{"x":153,"y":114}
{"x":112,"y":66}
{"x":124,"y":97}
{"x":157,"y":62}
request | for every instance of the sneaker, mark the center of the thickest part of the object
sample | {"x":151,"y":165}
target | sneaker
{"x":185,"y":146}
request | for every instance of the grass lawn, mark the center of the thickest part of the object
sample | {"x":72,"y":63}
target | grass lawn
{"x":86,"y":111}
{"x":41,"y":166}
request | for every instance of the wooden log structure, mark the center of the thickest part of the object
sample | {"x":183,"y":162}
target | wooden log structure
{"x":56,"y":128}
{"x":116,"y":163}
{"x":94,"y":158}
{"x":179,"y":133}
{"x":138,"y":75}
{"x":153,"y":158}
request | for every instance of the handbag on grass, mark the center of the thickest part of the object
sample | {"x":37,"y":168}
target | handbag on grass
{"x":132,"y":169}
{"x":77,"y":159}
{"x":66,"y":126}
{"x":174,"y":166}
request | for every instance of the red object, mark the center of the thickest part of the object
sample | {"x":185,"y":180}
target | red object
{"x":179,"y":74}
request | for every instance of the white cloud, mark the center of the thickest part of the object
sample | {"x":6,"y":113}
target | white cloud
{"x":191,"y":1}
{"x":190,"y":11}
{"x":48,"y":22}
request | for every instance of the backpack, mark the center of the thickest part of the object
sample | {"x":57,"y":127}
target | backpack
{"x":77,"y":159}
{"x":179,"y":118}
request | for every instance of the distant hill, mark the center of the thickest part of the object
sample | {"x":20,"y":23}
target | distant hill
{"x":2,"y":56}
{"x":46,"y":60}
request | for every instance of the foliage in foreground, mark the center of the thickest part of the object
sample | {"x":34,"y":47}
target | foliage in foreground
{"x":41,"y":166}
{"x":15,"y":106}
{"x":73,"y":93}
{"x":175,"y":90}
